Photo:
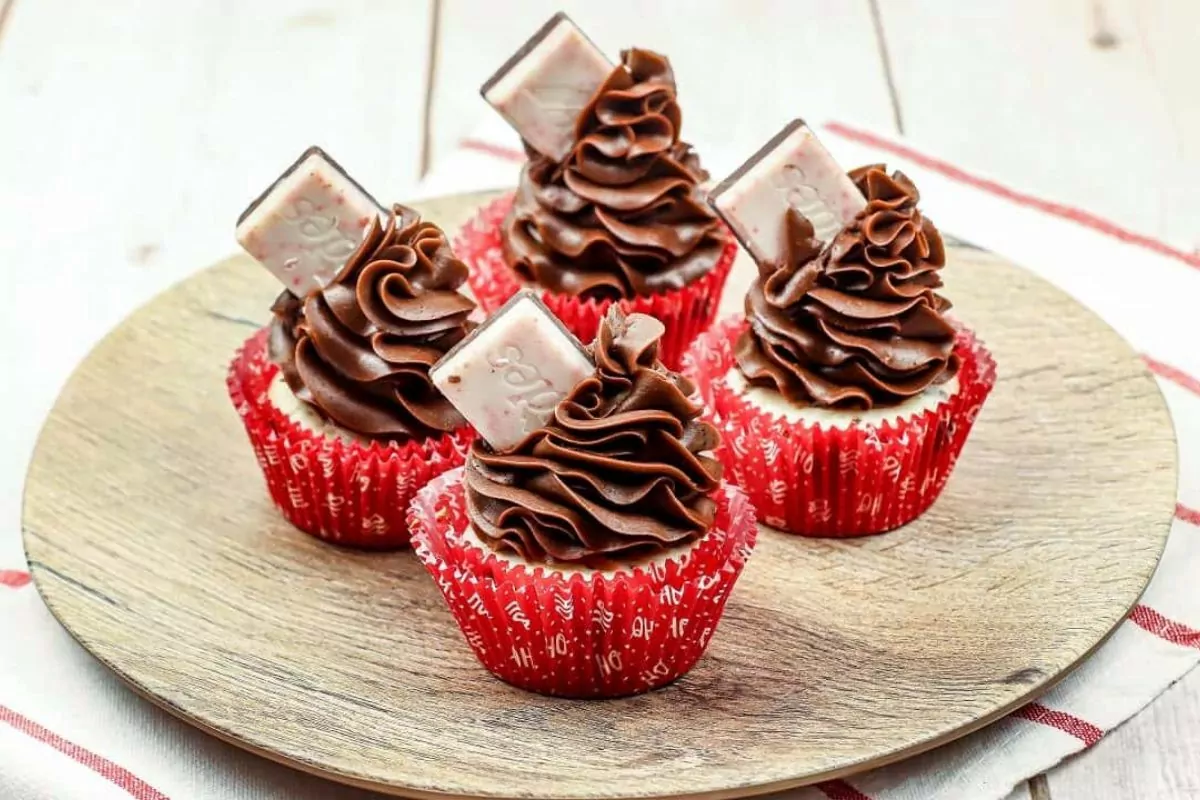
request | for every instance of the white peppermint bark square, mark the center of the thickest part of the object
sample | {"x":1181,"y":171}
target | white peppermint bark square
{"x":793,"y":170}
{"x":510,"y":373}
{"x":308,"y":223}
{"x":542,"y":89}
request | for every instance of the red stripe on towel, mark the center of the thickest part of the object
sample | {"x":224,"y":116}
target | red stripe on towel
{"x":14,"y":578}
{"x":1081,"y":729}
{"x":114,"y":774}
{"x":1150,"y":620}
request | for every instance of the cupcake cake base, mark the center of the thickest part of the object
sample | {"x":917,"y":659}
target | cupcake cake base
{"x":772,"y":402}
{"x":826,"y":473}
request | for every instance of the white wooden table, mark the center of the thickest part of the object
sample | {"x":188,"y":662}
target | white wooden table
{"x":132,"y":132}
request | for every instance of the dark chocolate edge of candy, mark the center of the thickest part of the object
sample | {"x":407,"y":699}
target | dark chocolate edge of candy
{"x":487,"y":323}
{"x":295,"y":165}
{"x":524,"y":50}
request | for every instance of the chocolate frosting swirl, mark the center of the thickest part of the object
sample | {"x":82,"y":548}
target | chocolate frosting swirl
{"x":623,"y":215}
{"x":858,"y":324}
{"x":622,"y":470}
{"x":359,"y":350}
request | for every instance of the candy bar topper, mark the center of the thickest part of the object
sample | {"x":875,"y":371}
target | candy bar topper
{"x":308,"y":223}
{"x":793,"y":170}
{"x":544,"y":86}
{"x":510,"y":373}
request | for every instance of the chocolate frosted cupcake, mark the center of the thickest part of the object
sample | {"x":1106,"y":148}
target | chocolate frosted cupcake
{"x":335,"y":392}
{"x":846,"y":392}
{"x":594,"y":558}
{"x":624,"y":215}
{"x":620,"y":218}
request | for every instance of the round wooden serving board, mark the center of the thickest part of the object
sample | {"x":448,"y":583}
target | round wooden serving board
{"x":151,"y":537}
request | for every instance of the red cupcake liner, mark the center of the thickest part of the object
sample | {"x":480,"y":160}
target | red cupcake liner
{"x":584,"y":633}
{"x":686,"y":312}
{"x":829,"y":482}
{"x":345,"y":492}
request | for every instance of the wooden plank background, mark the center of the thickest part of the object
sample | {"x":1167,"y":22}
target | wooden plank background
{"x":132,"y":132}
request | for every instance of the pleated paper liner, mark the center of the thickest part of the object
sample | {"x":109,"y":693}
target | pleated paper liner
{"x":830,"y":482}
{"x":581,"y":633}
{"x":345,"y":492}
{"x":686,"y":312}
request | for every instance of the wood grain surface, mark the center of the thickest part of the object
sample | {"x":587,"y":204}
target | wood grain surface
{"x":151,"y":537}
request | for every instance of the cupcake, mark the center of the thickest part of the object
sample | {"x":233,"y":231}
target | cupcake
{"x":618,"y":218}
{"x":594,"y":557}
{"x":846,"y":393}
{"x":335,"y":392}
